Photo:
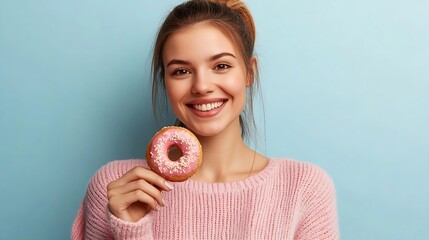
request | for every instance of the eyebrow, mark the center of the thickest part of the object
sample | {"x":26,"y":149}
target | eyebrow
{"x":212,"y":58}
{"x":221,"y":55}
{"x":177,"y":61}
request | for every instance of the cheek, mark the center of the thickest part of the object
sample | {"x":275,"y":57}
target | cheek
{"x":170,"y":94}
{"x":175,"y":91}
{"x":236,"y":86}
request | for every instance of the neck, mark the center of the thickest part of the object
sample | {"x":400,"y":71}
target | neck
{"x":225,"y":156}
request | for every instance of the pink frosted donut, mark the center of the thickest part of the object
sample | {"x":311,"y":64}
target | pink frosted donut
{"x":157,"y":153}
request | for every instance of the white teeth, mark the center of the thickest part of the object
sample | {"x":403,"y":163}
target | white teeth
{"x":207,"y":107}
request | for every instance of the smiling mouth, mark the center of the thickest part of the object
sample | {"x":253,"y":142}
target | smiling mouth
{"x":207,"y":107}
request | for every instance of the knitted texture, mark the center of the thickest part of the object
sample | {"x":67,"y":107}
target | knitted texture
{"x":288,"y":199}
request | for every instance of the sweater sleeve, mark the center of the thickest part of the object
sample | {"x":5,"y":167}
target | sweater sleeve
{"x":319,"y":219}
{"x":94,"y":220}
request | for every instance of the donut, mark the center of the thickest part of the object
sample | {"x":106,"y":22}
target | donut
{"x":157,"y":153}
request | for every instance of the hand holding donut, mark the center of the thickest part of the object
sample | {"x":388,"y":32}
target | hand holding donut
{"x":134,"y":194}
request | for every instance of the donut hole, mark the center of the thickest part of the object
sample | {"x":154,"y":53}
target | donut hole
{"x":174,"y":153}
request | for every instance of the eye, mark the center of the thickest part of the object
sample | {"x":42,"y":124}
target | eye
{"x":222,"y":67}
{"x":180,"y":72}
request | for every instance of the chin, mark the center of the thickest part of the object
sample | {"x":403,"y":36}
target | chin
{"x":204,"y":130}
{"x":211,"y":129}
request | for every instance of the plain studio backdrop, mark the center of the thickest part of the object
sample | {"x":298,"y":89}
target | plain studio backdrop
{"x":345,"y":86}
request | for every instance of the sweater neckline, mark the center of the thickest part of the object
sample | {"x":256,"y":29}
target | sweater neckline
{"x":236,"y":186}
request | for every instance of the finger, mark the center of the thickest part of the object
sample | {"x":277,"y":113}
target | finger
{"x":138,"y":185}
{"x":120,"y":203}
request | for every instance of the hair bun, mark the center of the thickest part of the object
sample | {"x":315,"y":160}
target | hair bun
{"x":241,"y":9}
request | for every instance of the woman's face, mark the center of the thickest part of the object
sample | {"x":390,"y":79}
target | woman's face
{"x":205,"y":79}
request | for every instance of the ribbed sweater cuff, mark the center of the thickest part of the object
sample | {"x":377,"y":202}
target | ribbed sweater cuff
{"x":121,"y":229}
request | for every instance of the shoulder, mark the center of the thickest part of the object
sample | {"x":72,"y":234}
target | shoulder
{"x":305,"y":170}
{"x":120,"y":167}
{"x":308,"y":177}
{"x":114,"y":170}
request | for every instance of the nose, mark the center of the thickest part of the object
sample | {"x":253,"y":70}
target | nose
{"x":201,"y":83}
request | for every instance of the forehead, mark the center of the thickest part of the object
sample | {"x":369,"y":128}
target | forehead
{"x":197,"y":42}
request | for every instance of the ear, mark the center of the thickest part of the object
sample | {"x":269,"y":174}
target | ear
{"x":253,"y":70}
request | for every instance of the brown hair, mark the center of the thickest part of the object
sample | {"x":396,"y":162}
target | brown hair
{"x":230,"y":16}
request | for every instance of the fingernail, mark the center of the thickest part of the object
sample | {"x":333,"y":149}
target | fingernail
{"x":169,"y":185}
{"x":163,"y":202}
{"x":158,"y":208}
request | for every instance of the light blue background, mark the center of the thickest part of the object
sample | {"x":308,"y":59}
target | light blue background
{"x":345,"y":86}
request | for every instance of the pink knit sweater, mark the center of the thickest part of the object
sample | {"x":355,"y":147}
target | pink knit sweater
{"x":286,"y":200}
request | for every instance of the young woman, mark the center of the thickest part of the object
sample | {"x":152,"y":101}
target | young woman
{"x":204,"y":64}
